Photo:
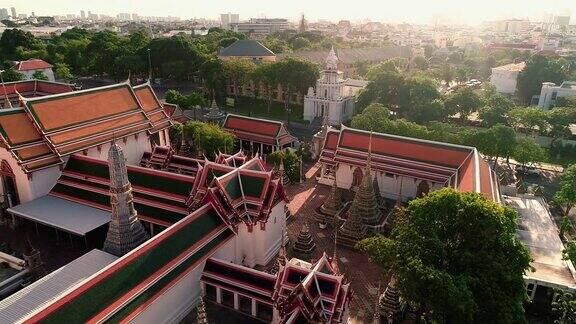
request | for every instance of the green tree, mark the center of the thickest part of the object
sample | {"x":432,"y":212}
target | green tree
{"x":375,"y":117}
{"x":566,"y":102}
{"x":532,"y":119}
{"x":174,"y":97}
{"x":564,"y":307}
{"x":495,"y":110}
{"x":528,"y":151}
{"x":266,"y":75}
{"x":238,"y":72}
{"x":209,"y":139}
{"x":39,"y":75}
{"x":560,"y":119}
{"x":300,"y":43}
{"x":420,"y":63}
{"x":464,"y":101}
{"x":503,"y":140}
{"x":565,"y":226}
{"x":295,"y":75}
{"x":456,"y":255}
{"x":213,"y":75}
{"x":62,"y":71}
{"x":446,"y":73}
{"x":539,"y":69}
{"x":291,"y":162}
{"x":565,"y":197}
{"x":11,"y":75}
{"x":418,"y":100}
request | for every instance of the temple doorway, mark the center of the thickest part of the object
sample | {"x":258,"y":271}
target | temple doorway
{"x":9,"y":190}
{"x":423,"y":188}
{"x":357,"y":177}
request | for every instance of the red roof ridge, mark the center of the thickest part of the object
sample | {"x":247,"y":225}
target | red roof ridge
{"x":79,"y":92}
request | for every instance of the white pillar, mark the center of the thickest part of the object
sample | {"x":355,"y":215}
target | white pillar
{"x":218,"y":295}
{"x":254,"y":307}
{"x":167,"y":136}
{"x":261,"y":149}
{"x":236,"y":302}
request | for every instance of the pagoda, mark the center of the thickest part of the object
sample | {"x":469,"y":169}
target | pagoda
{"x":390,"y":306}
{"x":304,"y":244}
{"x":282,"y":173}
{"x":365,"y":201}
{"x":332,"y":205}
{"x":214,"y":115}
{"x":125,"y":232}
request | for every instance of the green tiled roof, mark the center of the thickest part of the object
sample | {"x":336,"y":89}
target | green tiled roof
{"x":104,"y":201}
{"x":246,"y":47}
{"x":252,"y":185}
{"x":110,"y":289}
{"x":233,"y":188}
{"x":139,"y":179}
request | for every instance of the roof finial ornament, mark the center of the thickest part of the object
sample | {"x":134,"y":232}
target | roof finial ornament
{"x":129,"y":77}
{"x":332,"y":60}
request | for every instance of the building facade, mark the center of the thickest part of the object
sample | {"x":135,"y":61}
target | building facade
{"x":333,"y":96}
{"x":550,"y":92}
{"x":504,"y":77}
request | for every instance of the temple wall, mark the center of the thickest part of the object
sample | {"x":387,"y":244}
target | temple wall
{"x":133,"y":148}
{"x":181,"y":298}
{"x":389,"y":184}
{"x":31,"y":188}
{"x":260,"y":246}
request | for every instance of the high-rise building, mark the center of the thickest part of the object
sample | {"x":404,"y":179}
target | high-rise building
{"x":261,"y":26}
{"x":135,"y":16}
{"x":4,"y":13}
{"x":562,"y":20}
{"x":226,"y":20}
{"x":82,"y":15}
{"x":123,"y":16}
{"x":14,"y":15}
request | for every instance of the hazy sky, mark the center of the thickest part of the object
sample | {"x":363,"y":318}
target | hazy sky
{"x":412,"y":11}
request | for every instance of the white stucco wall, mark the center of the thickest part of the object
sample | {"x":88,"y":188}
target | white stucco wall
{"x":389,"y":185}
{"x":134,"y":148}
{"x":259,"y":247}
{"x":29,"y":75}
{"x":504,"y":81}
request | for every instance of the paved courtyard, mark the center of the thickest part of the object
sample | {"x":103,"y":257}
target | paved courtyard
{"x":357,"y":268}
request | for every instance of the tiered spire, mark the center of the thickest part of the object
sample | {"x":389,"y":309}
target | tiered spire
{"x":331,"y":206}
{"x":335,"y":254}
{"x":214,"y":114}
{"x":125,"y":232}
{"x":202,"y":318}
{"x":390,"y":300}
{"x":368,"y":204}
{"x":332,"y":60}
{"x":304,"y":244}
{"x":184,"y":147}
{"x":282,"y":173}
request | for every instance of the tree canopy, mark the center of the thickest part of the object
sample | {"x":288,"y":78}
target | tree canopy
{"x":565,"y":197}
{"x":456,"y":255}
{"x":539,"y":69}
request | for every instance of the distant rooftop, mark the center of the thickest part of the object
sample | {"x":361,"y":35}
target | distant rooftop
{"x":512,"y":67}
{"x":351,"y":55}
{"x":246,"y":47}
{"x":539,"y":233}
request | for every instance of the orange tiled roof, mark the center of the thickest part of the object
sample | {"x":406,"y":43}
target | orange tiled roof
{"x":56,"y":125}
{"x":152,"y":106}
{"x":459,"y":166}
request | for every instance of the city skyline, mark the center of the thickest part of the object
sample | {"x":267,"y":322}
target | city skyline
{"x":415,"y":11}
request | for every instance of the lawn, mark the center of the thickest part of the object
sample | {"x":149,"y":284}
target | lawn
{"x":259,"y":108}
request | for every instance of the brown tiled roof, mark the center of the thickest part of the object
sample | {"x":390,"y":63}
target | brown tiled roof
{"x":258,"y":130}
{"x":33,"y":64}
